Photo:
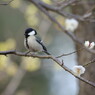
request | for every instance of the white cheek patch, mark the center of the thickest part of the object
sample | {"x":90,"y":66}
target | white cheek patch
{"x":31,"y":33}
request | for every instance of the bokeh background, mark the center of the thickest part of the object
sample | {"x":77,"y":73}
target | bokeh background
{"x":33,"y":76}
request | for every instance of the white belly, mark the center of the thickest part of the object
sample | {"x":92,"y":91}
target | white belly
{"x":34,"y":46}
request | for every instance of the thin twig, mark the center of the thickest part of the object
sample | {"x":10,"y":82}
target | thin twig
{"x":92,"y":61}
{"x":70,"y":53}
{"x":6,"y":3}
{"x":62,"y":12}
{"x":66,"y":3}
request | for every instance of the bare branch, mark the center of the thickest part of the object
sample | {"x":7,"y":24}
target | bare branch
{"x":57,"y":10}
{"x":71,"y":35}
{"x":63,"y":4}
{"x":62,"y":12}
{"x":6,"y":3}
{"x":47,"y":57}
{"x":70,"y":53}
{"x":92,"y":61}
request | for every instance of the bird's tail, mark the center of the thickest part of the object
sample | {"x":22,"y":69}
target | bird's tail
{"x":47,"y":52}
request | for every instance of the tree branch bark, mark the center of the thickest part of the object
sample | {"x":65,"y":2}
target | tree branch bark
{"x":13,"y":52}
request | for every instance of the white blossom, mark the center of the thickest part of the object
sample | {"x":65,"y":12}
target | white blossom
{"x":78,"y":70}
{"x":92,"y":45}
{"x":71,"y":24}
{"x":89,"y":45}
{"x":86,"y":44}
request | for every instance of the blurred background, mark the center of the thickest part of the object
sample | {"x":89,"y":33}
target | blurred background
{"x":33,"y":76}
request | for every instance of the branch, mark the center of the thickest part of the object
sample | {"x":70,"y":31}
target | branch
{"x":71,"y":35}
{"x":6,"y":3}
{"x":59,"y":11}
{"x":92,"y":61}
{"x":63,"y":4}
{"x":13,"y":52}
{"x":62,"y":12}
{"x":70,"y":53}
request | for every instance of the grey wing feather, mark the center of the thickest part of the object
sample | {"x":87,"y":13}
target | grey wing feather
{"x":40,"y":42}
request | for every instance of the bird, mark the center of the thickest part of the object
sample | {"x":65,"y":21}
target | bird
{"x":33,"y":43}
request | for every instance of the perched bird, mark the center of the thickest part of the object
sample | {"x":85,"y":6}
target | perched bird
{"x":33,"y":43}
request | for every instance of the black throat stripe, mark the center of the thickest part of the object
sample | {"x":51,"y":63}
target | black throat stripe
{"x":27,"y":43}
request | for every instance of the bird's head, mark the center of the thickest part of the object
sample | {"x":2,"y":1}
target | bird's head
{"x":30,"y":32}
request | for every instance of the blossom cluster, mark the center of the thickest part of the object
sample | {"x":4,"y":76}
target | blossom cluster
{"x":89,"y":45}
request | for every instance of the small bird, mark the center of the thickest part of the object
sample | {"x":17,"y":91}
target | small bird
{"x":33,"y":43}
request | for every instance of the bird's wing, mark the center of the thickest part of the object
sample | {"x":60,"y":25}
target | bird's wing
{"x":41,"y":42}
{"x":38,"y":38}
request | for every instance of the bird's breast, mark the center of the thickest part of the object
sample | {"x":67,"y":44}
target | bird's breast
{"x":33,"y":44}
